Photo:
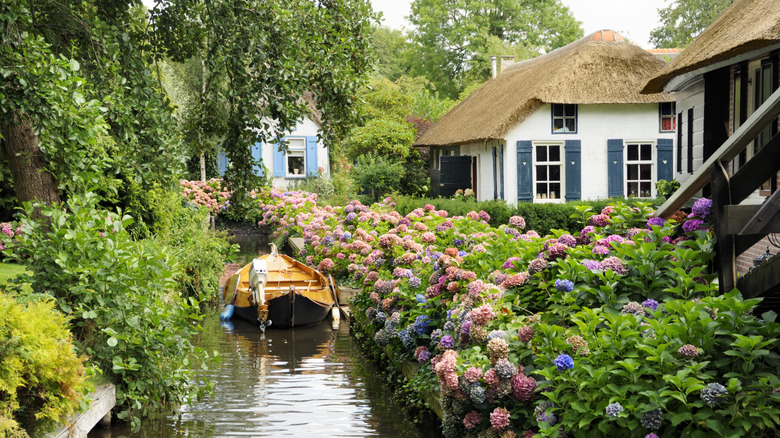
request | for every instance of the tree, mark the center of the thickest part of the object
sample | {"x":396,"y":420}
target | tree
{"x":260,"y":55}
{"x":393,"y":52}
{"x":683,"y":20}
{"x":454,"y":37}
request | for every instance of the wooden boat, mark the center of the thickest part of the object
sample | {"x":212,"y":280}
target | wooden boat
{"x":279,"y":290}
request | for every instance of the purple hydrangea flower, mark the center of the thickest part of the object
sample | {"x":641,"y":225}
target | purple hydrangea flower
{"x":655,"y":221}
{"x":692,"y":225}
{"x":650,"y":304}
{"x":702,"y":207}
{"x":592,"y":265}
{"x":564,"y":362}
{"x":446,"y":342}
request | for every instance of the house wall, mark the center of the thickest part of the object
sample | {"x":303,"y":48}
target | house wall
{"x":304,"y":128}
{"x":690,"y":97}
{"x":595,"y":125}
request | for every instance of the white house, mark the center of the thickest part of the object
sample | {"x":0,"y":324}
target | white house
{"x":306,"y":155}
{"x":567,"y":125}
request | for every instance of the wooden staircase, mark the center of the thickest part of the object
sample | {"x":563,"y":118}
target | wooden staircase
{"x":739,"y":226}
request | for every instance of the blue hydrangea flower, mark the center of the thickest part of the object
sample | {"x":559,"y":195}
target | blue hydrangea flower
{"x":713,"y":393}
{"x":564,"y":362}
{"x":458,"y":242}
{"x":406,"y":338}
{"x":564,"y":285}
{"x":414,"y":281}
{"x":381,"y":317}
{"x":421,"y":299}
{"x":614,"y":409}
{"x":436,"y":336}
{"x":346,"y":236}
{"x":447,"y":342}
{"x":422,"y":325}
{"x":462,"y":253}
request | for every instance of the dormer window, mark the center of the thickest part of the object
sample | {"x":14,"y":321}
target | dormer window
{"x":564,"y":118}
{"x":667,"y":117}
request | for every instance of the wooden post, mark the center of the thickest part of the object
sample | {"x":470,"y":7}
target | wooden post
{"x":725,"y":258}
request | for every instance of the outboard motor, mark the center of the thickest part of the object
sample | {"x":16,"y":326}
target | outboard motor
{"x":258,"y":277}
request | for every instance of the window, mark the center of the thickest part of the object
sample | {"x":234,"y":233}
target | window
{"x":667,"y":118}
{"x":296,"y":158}
{"x":564,"y":118}
{"x":548,"y":172}
{"x":639,"y":170}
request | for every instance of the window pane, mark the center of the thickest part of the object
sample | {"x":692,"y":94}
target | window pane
{"x":295,"y":165}
{"x":541,"y":190}
{"x":633,"y":152}
{"x":632,"y":189}
{"x":570,"y":126}
{"x":632,"y":172}
{"x":557,"y":110}
{"x":644,"y":172}
{"x":558,"y":125}
{"x":555,"y":173}
{"x":666,"y":124}
{"x":555,"y":190}
{"x":647,"y":152}
{"x":570,"y":110}
{"x":296,"y":143}
{"x":644,"y":189}
{"x":555,"y":153}
{"x":541,"y":173}
{"x":541,"y":153}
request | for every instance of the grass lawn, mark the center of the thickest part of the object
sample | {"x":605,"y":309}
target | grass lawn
{"x":9,"y":271}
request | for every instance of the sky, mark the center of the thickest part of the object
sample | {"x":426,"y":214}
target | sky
{"x":631,"y":18}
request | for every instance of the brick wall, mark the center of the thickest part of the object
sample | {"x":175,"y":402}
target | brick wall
{"x":745,"y":260}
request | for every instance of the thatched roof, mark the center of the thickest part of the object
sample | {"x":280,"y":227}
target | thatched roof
{"x":745,"y":26}
{"x":599,"y":69}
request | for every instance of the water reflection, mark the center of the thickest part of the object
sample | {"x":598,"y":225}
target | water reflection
{"x":307,"y":381}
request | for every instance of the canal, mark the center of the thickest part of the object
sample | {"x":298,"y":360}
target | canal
{"x":306,"y":381}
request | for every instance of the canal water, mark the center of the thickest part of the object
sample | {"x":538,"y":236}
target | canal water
{"x":306,"y":382}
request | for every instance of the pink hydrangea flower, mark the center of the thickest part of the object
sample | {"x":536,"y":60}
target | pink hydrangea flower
{"x":499,"y":418}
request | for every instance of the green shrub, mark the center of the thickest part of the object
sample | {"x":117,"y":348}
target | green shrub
{"x":122,"y":295}
{"x":200,"y":252}
{"x":42,"y":378}
{"x":377,"y":175}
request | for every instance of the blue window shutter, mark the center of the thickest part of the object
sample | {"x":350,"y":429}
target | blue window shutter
{"x":615,"y":168}
{"x":665,"y":156}
{"x":278,"y":160}
{"x":501,"y":169}
{"x":573,"y":170}
{"x":222,"y":163}
{"x":495,"y":172}
{"x":524,"y":173}
{"x":311,"y":156}
{"x":257,"y":154}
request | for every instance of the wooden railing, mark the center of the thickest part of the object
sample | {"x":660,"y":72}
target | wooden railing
{"x":738,"y":227}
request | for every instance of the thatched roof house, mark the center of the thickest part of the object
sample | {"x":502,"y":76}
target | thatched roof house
{"x":600,"y":68}
{"x":746,"y":26}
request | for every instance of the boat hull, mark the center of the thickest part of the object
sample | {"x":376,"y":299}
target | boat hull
{"x":284,"y":312}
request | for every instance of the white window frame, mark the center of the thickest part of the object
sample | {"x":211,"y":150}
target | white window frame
{"x":640,"y":162}
{"x":559,"y":197}
{"x":296,"y":147}
{"x":672,"y":117}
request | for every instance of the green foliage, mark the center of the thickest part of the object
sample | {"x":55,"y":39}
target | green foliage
{"x":635,"y":361}
{"x":377,"y":174}
{"x":392,"y":52}
{"x":457,"y":36}
{"x":683,"y":20}
{"x":667,"y":188}
{"x":201,"y":253}
{"x":387,"y":137}
{"x":122,"y":295}
{"x":43,"y":378}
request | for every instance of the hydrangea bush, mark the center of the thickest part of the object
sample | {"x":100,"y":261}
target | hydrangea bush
{"x":616,"y":329}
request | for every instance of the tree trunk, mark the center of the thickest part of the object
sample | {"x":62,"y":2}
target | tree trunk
{"x":27,"y":164}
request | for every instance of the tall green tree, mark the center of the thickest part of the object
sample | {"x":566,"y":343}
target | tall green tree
{"x":393,"y":52}
{"x":683,"y":20}
{"x":454,"y":37}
